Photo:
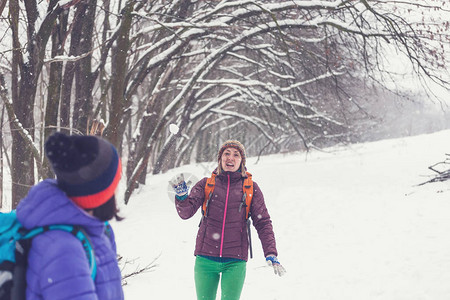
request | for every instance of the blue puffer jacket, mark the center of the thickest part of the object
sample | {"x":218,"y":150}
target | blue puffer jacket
{"x":58,"y":267}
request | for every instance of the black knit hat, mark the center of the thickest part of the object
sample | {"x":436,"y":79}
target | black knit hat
{"x":87,"y":168}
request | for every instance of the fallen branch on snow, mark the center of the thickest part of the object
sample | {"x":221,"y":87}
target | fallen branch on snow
{"x":148,"y":268}
{"x":443,"y":171}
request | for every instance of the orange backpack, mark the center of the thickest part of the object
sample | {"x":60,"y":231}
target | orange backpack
{"x":246,"y":199}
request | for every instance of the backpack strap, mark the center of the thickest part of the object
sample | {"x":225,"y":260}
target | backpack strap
{"x":76,"y":231}
{"x":108,"y":230}
{"x":248,"y":195}
{"x":246,"y":202}
{"x":209,"y":188}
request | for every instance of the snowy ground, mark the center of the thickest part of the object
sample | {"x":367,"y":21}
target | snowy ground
{"x":350,"y":224}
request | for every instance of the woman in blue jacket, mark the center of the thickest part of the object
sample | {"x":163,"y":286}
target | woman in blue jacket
{"x":88,"y":170}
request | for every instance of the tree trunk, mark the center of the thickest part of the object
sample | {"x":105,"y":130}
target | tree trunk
{"x":54,"y":86}
{"x":83,"y":105}
{"x":24,"y":92}
{"x":21,"y":159}
{"x":1,"y":144}
{"x":116,"y":128}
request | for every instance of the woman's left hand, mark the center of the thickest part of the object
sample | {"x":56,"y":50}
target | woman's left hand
{"x":272,"y":260}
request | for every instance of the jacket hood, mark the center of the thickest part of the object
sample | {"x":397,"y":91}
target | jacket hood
{"x":46,"y":204}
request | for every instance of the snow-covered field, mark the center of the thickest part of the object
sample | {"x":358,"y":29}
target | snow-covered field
{"x":350,"y":224}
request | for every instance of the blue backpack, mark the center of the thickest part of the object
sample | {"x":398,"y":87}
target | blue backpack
{"x":15,"y":242}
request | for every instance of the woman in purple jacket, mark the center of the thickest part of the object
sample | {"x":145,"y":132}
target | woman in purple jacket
{"x":222,"y":239}
{"x":88,"y":171}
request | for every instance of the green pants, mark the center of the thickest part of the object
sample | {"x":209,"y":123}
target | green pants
{"x":207,"y":276}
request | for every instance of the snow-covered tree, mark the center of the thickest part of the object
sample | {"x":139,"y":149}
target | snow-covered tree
{"x":279,"y":75}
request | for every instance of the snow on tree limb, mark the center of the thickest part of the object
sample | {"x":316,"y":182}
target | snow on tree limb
{"x":18,"y":126}
{"x":252,"y":120}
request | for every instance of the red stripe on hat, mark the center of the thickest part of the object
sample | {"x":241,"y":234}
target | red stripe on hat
{"x":97,"y":199}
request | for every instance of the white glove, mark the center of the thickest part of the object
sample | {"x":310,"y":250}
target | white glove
{"x":181,"y":189}
{"x":272,"y":260}
{"x":179,"y":186}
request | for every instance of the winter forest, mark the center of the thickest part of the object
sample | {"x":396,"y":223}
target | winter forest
{"x":280,"y":76}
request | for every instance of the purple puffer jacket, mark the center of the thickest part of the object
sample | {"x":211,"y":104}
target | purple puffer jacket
{"x":58,"y":266}
{"x":223,"y":232}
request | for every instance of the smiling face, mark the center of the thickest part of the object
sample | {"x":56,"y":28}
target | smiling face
{"x":231,"y":160}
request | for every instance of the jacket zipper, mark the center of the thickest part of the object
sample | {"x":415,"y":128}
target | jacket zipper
{"x":224,"y":216}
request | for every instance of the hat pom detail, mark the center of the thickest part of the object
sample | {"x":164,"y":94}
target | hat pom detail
{"x":69,"y":153}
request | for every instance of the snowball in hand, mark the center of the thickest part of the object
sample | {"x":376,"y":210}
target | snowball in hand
{"x":173,"y":128}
